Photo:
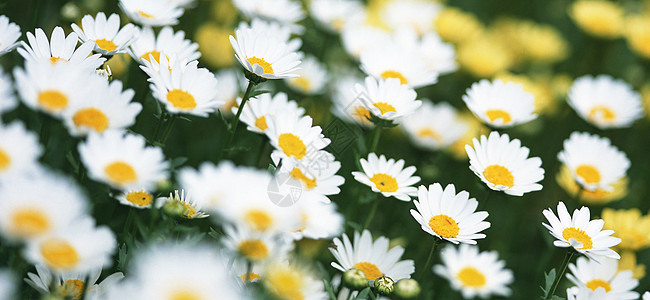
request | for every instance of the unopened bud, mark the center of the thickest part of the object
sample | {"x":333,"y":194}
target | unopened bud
{"x":384,"y":285}
{"x":355,"y":279}
{"x":407,"y":288}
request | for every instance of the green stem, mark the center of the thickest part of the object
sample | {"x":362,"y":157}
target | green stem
{"x":371,"y":215}
{"x":85,"y":289}
{"x":235,"y":122}
{"x":376,"y":133}
{"x":436,"y":242}
{"x":168,"y":129}
{"x":558,"y":277}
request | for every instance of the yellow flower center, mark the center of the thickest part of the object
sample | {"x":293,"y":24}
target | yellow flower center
{"x":384,"y":183}
{"x":59,"y":254}
{"x":73,"y":288}
{"x":250,"y":277}
{"x":302,"y":84}
{"x":188,"y":209}
{"x":91,"y":117}
{"x":394,"y":74}
{"x":499,"y":175}
{"x":309,"y":183}
{"x":258,"y":219}
{"x":181,"y":99}
{"x":55,"y":59}
{"x":384,"y":107}
{"x":185,"y":294}
{"x":605,"y":113}
{"x":292,"y":145}
{"x":144,"y":14}
{"x":370,"y":269}
{"x":260,"y":61}
{"x":362,"y":113}
{"x":429,"y":133}
{"x":261,"y":123}
{"x":286,"y":283}
{"x":578,"y":235}
{"x":444,"y":226}
{"x":253,"y":249}
{"x":29,"y":222}
{"x":106,"y":45}
{"x":494,"y":114}
{"x":120,"y":172}
{"x":154,"y":53}
{"x":5,"y":160}
{"x":596,"y":283}
{"x":53,"y":101}
{"x":139,"y":198}
{"x":588,"y":173}
{"x":471,"y":277}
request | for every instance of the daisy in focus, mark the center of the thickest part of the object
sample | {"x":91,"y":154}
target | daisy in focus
{"x":59,"y":48}
{"x":434,"y":126}
{"x":262,"y":109}
{"x":503,"y":164}
{"x":152,"y":12}
{"x":9,"y":34}
{"x":387,"y":99}
{"x":579,"y":232}
{"x":388,"y":177}
{"x":173,"y":44}
{"x":605,"y":102}
{"x":474,"y":273}
{"x":500,"y":104}
{"x":109,"y":38}
{"x":19,"y":150}
{"x":603,"y":274}
{"x":294,"y":138}
{"x":374,"y":258}
{"x":594,"y":162}
{"x":450,"y":216}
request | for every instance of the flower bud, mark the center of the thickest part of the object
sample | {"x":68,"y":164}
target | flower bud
{"x":355,"y":279}
{"x":384,"y":285}
{"x":407,"y":288}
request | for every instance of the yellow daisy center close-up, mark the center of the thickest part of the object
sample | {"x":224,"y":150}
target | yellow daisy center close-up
{"x":494,"y":114}
{"x":139,"y":198}
{"x":55,"y":59}
{"x":385,"y":183}
{"x":604,"y":112}
{"x":394,"y":74}
{"x":444,"y":226}
{"x":154,"y":53}
{"x":73,"y":288}
{"x":292,"y":145}
{"x":471,"y":277}
{"x":260,"y":123}
{"x":106,"y":45}
{"x":428,"y":133}
{"x":258,"y":219}
{"x":596,"y":283}
{"x":384,"y":107}
{"x":52,"y":100}
{"x":120,"y":172}
{"x":181,"y":99}
{"x":588,"y":173}
{"x":371,"y":270}
{"x":185,"y":294}
{"x":253,"y":249}
{"x":268,"y":69}
{"x":29,"y":222}
{"x":499,"y":175}
{"x":59,"y":254}
{"x":286,"y":283}
{"x":92,"y":118}
{"x":578,"y":235}
{"x":249,"y":277}
{"x":5,"y":160}
{"x":298,"y":174}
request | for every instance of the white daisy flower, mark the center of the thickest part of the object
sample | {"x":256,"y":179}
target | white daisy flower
{"x":183,"y":204}
{"x":585,"y":293}
{"x":359,"y":36}
{"x":211,"y":185}
{"x":584,"y":235}
{"x":604,"y":274}
{"x":8,"y":284}
{"x":605,"y":102}
{"x":293,"y":281}
{"x":504,"y":165}
{"x":474,"y":273}
{"x":260,"y":110}
{"x":316,"y":174}
{"x":389,"y":60}
{"x":72,"y":284}
{"x":412,"y":14}
{"x":109,"y":38}
{"x":19,"y":150}
{"x":80,"y":247}
{"x":434,"y":126}
{"x":334,"y":15}
{"x":318,"y":220}
{"x":279,"y":31}
{"x":294,"y":138}
{"x":9,"y":34}
{"x":312,"y":77}
{"x":123,"y":161}
{"x":134,"y":197}
{"x":388,"y":177}
{"x":500,"y":104}
{"x":268,"y":57}
{"x":450,"y":216}
{"x":439,"y":56}
{"x":229,"y":87}
{"x":110,"y":108}
{"x":38,"y":205}
{"x":7,"y":100}
{"x":256,"y":247}
{"x":373,"y":258}
{"x":387,"y":98}
{"x":347,"y":105}
{"x":283,"y":11}
{"x":59,"y":48}
{"x":183,"y":88}
{"x":594,"y":162}
{"x":173,"y":44}
{"x":152,"y":12}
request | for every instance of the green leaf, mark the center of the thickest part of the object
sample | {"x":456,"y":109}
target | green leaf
{"x":329,"y":289}
{"x":122,"y":258}
{"x":548,"y":282}
{"x":363,"y":294}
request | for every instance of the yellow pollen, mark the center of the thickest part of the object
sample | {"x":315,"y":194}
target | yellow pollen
{"x":394,"y":74}
{"x":253,"y":249}
{"x":92,"y":118}
{"x":286,"y":283}
{"x":55,"y":59}
{"x":309,"y":183}
{"x":260,"y":123}
{"x":106,"y":45}
{"x":59,"y":254}
{"x":258,"y":219}
{"x":444,"y":226}
{"x":578,"y":235}
{"x":494,"y":114}
{"x":429,"y":133}
{"x":120,"y":172}
{"x":189,"y":210}
{"x":499,"y":175}
{"x":52,"y":101}
{"x":185,"y":294}
{"x":73,"y":288}
{"x":292,"y":145}
{"x":250,"y":277}
{"x":5,"y":160}
{"x":362,"y":113}
{"x":302,"y":84}
{"x":596,"y":283}
{"x":588,"y":173}
{"x":604,"y":112}
{"x":370,"y":269}
{"x":29,"y":222}
{"x":181,"y":99}
{"x":471,"y":277}
{"x":384,"y":183}
{"x":154,"y":53}
{"x":260,"y":61}
{"x":139,"y":198}
{"x":144,"y":14}
{"x":384,"y":107}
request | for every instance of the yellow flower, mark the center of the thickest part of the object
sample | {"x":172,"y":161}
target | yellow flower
{"x":599,"y":18}
{"x":628,"y":225}
{"x":214,"y":45}
{"x":597,"y":197}
{"x":542,"y":43}
{"x":474,"y":129}
{"x":637,"y":33}
{"x":456,"y":26}
{"x":544,"y":100}
{"x":484,"y":57}
{"x":628,"y":262}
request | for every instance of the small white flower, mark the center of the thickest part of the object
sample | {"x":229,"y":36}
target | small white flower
{"x":109,"y":38}
{"x":434,"y":126}
{"x":263,"y":109}
{"x":266,"y":56}
{"x":500,"y":104}
{"x":604,"y":274}
{"x":316,"y":174}
{"x":294,"y":138}
{"x":391,"y":60}
{"x":387,"y":98}
{"x":347,"y":105}
{"x":173,"y":44}
{"x":72,"y":284}
{"x":138,"y":198}
{"x":152,"y":12}
{"x":59,"y":49}
{"x":388,"y":177}
{"x":9,"y":34}
{"x":313,"y":77}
